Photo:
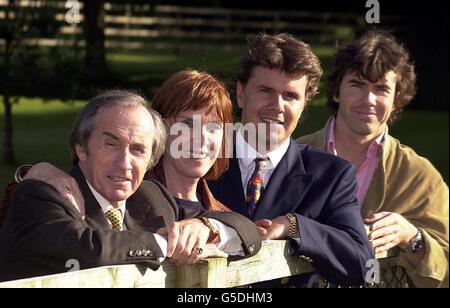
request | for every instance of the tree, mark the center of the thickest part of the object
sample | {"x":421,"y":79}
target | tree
{"x":7,"y":34}
{"x":94,"y":35}
{"x":19,"y":72}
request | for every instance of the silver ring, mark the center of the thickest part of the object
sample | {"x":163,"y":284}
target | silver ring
{"x":199,"y":250}
{"x":65,"y":189}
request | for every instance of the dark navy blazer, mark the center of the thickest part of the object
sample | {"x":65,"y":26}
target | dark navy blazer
{"x":321,"y":189}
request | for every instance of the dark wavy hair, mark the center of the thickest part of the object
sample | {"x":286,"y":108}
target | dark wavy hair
{"x":372,"y":56}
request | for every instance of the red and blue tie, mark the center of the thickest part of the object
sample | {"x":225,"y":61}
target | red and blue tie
{"x":255,"y":185}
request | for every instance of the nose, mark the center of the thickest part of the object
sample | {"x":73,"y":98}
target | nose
{"x":123,"y":160}
{"x":200,"y":139}
{"x":205,"y":138}
{"x":278,"y":104}
{"x":370,"y":97}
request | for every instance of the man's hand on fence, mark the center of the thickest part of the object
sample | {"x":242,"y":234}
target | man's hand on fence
{"x":211,"y":250}
{"x":389,"y":230}
{"x":275,"y":229}
{"x":186,"y":240}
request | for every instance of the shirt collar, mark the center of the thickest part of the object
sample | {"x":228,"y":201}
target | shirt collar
{"x":331,"y":145}
{"x":104,"y":204}
{"x":246,"y":154}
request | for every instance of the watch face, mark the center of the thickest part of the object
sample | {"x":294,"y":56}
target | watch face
{"x":417,"y":246}
{"x":416,"y":243}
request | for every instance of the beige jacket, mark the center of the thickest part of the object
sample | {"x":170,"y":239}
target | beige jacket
{"x":408,"y":184}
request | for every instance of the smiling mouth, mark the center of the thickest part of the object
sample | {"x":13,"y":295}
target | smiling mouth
{"x":272,"y":121}
{"x":192,"y":155}
{"x":118,"y":179}
{"x":365,"y":113}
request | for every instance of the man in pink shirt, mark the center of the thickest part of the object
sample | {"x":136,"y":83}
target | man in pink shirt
{"x":403,"y":198}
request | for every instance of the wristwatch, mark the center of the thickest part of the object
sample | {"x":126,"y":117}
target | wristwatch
{"x":215,"y":231}
{"x":416,"y":243}
{"x":293,"y":227}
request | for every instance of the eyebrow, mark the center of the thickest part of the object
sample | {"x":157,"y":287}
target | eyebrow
{"x":111,"y":136}
{"x":139,"y":144}
{"x":263,"y":86}
{"x":354,"y":80}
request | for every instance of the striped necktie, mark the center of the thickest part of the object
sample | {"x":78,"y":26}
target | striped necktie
{"x":254,"y":186}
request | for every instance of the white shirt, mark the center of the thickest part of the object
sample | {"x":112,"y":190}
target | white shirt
{"x":230,"y":241}
{"x":246,"y":155}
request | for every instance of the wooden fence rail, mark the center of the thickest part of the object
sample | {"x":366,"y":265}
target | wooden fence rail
{"x":137,"y":26}
{"x":275,"y":260}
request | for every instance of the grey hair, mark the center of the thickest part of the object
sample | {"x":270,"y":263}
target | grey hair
{"x":85,"y":123}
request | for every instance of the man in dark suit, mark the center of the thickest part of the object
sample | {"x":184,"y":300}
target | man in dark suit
{"x":291,"y":190}
{"x":122,"y":214}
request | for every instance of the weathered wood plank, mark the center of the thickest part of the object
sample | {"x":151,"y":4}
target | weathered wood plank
{"x":213,"y":272}
{"x":275,"y":260}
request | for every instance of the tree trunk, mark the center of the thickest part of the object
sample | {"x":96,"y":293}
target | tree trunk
{"x":94,"y":35}
{"x":8,"y":156}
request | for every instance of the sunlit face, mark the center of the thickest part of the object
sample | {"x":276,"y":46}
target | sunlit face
{"x":118,"y":151}
{"x":194,"y":143}
{"x":273,"y":98}
{"x":365,"y":107}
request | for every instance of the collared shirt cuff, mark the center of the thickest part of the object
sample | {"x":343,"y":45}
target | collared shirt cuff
{"x":162,"y":243}
{"x":230,"y":241}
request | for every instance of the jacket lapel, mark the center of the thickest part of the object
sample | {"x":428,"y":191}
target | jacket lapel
{"x":138,"y":216}
{"x":287,"y":186}
{"x":376,"y":194}
{"x":94,"y":214}
{"x":231,"y":189}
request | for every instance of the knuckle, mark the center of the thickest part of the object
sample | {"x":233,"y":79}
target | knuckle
{"x":180,"y":246}
{"x":186,"y":253}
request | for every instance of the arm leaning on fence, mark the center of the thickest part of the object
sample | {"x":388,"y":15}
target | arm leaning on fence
{"x":275,"y":260}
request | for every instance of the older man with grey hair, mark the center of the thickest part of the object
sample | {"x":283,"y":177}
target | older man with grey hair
{"x":116,"y":139}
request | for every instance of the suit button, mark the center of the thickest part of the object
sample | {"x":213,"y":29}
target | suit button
{"x":149,"y":253}
{"x":251,"y":248}
{"x":284,"y":281}
{"x":307,"y":259}
{"x":144,"y":253}
{"x":131,"y":253}
{"x":139,"y":253}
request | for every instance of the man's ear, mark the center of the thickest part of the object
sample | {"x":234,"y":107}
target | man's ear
{"x":81,"y":153}
{"x":240,"y":94}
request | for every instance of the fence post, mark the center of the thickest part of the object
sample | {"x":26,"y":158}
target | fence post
{"x":209,"y":273}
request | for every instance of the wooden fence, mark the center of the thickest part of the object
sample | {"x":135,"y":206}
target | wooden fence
{"x":140,"y":26}
{"x":275,"y":260}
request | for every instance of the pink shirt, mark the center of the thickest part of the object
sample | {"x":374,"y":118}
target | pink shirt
{"x":365,"y":172}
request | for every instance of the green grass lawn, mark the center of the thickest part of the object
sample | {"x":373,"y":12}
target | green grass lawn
{"x":41,"y":133}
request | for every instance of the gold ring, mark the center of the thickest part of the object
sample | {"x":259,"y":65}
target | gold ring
{"x":65,"y":189}
{"x":199,"y":250}
{"x":18,"y":175}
